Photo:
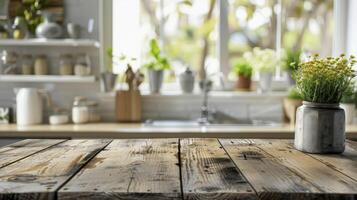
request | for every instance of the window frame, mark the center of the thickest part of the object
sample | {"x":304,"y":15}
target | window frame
{"x":339,"y":36}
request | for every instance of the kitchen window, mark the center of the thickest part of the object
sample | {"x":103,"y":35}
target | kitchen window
{"x":214,"y":33}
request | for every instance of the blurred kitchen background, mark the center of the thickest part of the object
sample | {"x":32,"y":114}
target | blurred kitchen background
{"x":65,"y":46}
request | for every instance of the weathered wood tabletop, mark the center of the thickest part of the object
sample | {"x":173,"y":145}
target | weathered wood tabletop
{"x":174,"y":169}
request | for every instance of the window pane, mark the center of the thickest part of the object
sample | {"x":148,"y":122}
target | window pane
{"x":252,"y":23}
{"x":184,"y":28}
{"x":308,"y":26}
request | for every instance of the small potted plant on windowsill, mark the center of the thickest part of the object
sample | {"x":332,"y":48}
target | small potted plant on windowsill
{"x":291,"y":63}
{"x":263,"y":61}
{"x":156,"y":67}
{"x":320,"y":121}
{"x":243,"y":70}
{"x":348,"y":103}
{"x":290,"y":104}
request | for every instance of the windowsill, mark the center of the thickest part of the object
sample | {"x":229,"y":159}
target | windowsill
{"x":217,"y":94}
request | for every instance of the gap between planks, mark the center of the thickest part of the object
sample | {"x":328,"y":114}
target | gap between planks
{"x":40,"y":175}
{"x":13,"y":153}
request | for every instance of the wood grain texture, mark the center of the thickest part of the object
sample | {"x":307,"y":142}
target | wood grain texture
{"x":352,"y":144}
{"x":19,"y":150}
{"x":39,"y":176}
{"x":345,"y":163}
{"x":129,"y":169}
{"x":208,"y":172}
{"x":329,"y":181}
{"x":268,"y":177}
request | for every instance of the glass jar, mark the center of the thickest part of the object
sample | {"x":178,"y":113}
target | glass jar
{"x":9,"y":62}
{"x":41,"y":65}
{"x":27,"y":65}
{"x":66,"y":65}
{"x":83,"y":65}
{"x":93,"y":114}
{"x":80,"y":110}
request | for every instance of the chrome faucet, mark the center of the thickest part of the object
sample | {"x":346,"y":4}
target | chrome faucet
{"x":205,"y":116}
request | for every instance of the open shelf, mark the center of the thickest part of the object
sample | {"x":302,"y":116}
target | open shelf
{"x":47,"y":78}
{"x":51,"y":42}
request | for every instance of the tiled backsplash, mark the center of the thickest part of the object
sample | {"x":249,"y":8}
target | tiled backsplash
{"x":177,"y":106}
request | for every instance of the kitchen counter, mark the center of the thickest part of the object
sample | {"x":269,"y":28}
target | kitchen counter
{"x":137,"y":130}
{"x":174,"y":169}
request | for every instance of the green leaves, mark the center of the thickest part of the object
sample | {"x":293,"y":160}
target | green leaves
{"x":159,"y":62}
{"x":243,"y":68}
{"x":291,"y":60}
{"x":294,"y":94}
{"x":154,"y":49}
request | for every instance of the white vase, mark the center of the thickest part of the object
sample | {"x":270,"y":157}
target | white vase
{"x":349,"y":112}
{"x":265,"y":81}
{"x":48,"y":29}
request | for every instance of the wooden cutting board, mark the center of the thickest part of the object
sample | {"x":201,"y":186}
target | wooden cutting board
{"x":128,"y":106}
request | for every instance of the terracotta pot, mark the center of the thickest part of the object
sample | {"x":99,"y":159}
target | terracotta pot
{"x":243,"y":83}
{"x":290,"y":106}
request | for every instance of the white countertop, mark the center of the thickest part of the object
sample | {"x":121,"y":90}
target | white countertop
{"x":137,"y":130}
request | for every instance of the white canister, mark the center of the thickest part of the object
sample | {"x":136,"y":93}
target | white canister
{"x":80,"y":114}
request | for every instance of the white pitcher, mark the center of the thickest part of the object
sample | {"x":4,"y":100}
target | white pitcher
{"x":29,"y":106}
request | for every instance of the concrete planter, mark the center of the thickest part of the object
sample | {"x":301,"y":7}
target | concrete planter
{"x":156,"y":77}
{"x":320,"y":128}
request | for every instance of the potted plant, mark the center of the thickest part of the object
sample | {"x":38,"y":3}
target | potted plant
{"x":156,"y":67}
{"x":320,"y":121}
{"x":291,"y":63}
{"x":243,"y":70}
{"x":108,"y":78}
{"x":348,"y":103}
{"x":263,"y":61}
{"x":290,"y":104}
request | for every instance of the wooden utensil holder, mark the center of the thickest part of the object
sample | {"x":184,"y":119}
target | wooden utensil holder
{"x":128,"y":106}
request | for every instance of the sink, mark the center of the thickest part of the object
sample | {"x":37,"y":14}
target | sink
{"x":219,"y":119}
{"x":218,"y":123}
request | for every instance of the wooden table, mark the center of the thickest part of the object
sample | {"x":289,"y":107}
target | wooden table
{"x":174,"y":169}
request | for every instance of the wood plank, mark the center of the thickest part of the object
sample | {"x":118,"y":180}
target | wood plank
{"x":352,"y":144}
{"x":19,"y":150}
{"x":209,"y":173}
{"x":129,"y":169}
{"x":345,"y":163}
{"x":40,"y":175}
{"x":331,"y":182}
{"x":268,"y":177}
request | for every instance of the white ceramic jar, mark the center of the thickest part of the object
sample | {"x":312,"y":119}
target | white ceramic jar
{"x":80,"y":111}
{"x":29,"y":106}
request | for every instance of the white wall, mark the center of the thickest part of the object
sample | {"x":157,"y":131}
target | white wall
{"x":351,"y":43}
